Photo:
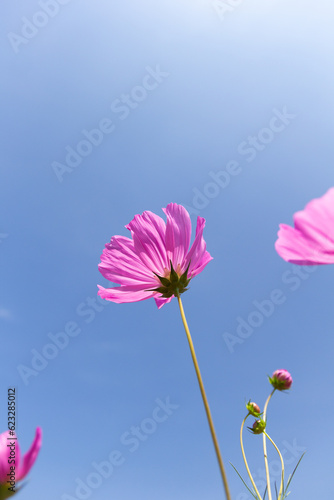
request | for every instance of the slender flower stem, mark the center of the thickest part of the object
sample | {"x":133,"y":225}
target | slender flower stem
{"x":282,"y":464}
{"x":205,"y":401}
{"x":265,"y":446}
{"x":244,"y":457}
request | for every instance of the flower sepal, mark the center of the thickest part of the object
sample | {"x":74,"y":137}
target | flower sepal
{"x":173,"y":285}
{"x":258,"y":426}
{"x":5,"y":492}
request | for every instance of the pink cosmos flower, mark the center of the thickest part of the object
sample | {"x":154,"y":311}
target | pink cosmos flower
{"x":22,"y":467}
{"x":157,"y":261}
{"x":311,"y":241}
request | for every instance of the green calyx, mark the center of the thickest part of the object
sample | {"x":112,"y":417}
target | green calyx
{"x":252,"y":409}
{"x":173,"y":285}
{"x":258,"y":426}
{"x":280,"y":385}
{"x":5,"y":492}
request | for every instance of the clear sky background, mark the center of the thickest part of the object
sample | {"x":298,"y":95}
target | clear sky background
{"x":180,"y":90}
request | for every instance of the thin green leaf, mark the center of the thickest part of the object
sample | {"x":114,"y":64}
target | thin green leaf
{"x":285,"y":494}
{"x":264,"y":494}
{"x":250,"y":491}
{"x":276,"y":490}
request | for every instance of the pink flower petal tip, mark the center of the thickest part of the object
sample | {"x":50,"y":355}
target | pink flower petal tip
{"x":156,"y":259}
{"x":7,"y":453}
{"x":311,"y":241}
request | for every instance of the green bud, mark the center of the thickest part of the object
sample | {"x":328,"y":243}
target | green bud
{"x":253,"y":409}
{"x":258,"y":426}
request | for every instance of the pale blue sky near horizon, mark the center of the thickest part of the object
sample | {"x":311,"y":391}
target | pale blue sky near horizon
{"x":111,"y":109}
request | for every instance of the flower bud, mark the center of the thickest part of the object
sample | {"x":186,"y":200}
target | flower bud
{"x":258,"y":426}
{"x":281,"y":380}
{"x":253,"y":409}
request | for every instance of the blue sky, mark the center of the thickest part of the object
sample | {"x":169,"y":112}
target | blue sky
{"x":112,"y":109}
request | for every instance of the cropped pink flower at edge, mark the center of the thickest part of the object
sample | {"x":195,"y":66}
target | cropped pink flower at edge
{"x":136,"y":264}
{"x":311,"y":241}
{"x":22,"y":467}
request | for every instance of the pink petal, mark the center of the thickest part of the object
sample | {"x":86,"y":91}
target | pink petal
{"x":148,"y":233}
{"x":197,"y":255}
{"x":178,"y":233}
{"x":311,"y":241}
{"x":293,"y":247}
{"x":316,"y":221}
{"x":128,"y":293}
{"x":162,"y":301}
{"x":30,"y":457}
{"x":5,"y":454}
{"x":121,"y":264}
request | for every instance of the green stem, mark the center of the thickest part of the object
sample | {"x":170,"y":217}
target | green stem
{"x":244,"y":457}
{"x":282,"y":464}
{"x":205,"y":401}
{"x":265,"y":446}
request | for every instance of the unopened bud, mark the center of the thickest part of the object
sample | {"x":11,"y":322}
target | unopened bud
{"x":258,"y":426}
{"x":281,"y":380}
{"x":253,"y":409}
